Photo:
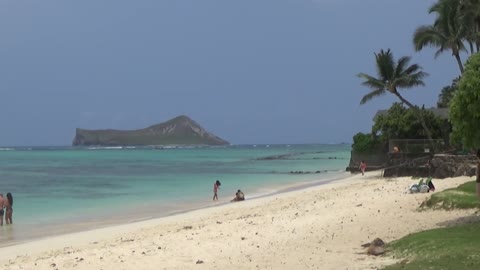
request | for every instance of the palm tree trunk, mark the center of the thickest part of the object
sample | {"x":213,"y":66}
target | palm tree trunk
{"x":419,"y":116}
{"x":459,"y":61}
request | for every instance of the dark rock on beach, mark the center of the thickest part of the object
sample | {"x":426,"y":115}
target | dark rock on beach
{"x":376,"y":247}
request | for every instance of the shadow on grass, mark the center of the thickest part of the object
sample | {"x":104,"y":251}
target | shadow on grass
{"x":461,"y":221}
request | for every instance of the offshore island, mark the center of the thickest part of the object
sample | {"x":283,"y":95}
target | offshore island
{"x":180,"y":130}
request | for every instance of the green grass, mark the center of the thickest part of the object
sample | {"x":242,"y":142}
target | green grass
{"x":445,"y":248}
{"x":461,"y":197}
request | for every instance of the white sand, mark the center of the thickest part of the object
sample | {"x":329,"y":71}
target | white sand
{"x":317,"y":228}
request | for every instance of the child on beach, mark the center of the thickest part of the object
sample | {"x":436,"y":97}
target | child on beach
{"x":363,"y":167}
{"x":216,"y":186}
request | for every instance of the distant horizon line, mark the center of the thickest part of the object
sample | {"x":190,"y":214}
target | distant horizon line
{"x":231,"y":144}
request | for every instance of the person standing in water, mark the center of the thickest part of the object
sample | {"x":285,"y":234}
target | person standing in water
{"x":216,"y":186}
{"x":8,"y":208}
{"x":2,"y":205}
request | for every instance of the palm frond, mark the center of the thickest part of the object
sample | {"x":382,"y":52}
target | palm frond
{"x":461,"y":46}
{"x":412,"y":69}
{"x":401,"y":64}
{"x":385,"y":64}
{"x":371,"y":95}
{"x":439,"y":51}
{"x":391,"y":75}
{"x":371,"y":82}
{"x":411,"y":79}
{"x":417,"y":78}
{"x":427,"y":36}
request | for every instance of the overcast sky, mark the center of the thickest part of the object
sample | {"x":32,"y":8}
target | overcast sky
{"x":250,"y":71}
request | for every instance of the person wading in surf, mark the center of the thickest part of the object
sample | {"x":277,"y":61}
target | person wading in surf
{"x":216,"y":186}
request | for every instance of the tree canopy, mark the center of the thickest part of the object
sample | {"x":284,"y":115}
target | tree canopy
{"x":399,"y":122}
{"x":447,"y":33}
{"x":465,"y":106}
{"x":446,"y":94}
{"x":402,"y":123}
{"x":394,"y":75}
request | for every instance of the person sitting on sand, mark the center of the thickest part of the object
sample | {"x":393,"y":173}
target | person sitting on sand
{"x":239,"y":196}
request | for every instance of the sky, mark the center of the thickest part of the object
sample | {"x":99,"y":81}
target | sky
{"x":250,"y":71}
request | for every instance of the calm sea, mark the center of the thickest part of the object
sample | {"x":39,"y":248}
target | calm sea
{"x":62,"y":189}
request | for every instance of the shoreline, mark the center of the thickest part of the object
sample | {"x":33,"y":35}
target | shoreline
{"x":68,"y":226}
{"x":127,"y":224}
{"x":316,"y":227}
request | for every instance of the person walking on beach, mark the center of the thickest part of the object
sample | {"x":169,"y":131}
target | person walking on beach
{"x":216,"y":186}
{"x":8,"y":208}
{"x":2,"y":205}
{"x":363,"y":167}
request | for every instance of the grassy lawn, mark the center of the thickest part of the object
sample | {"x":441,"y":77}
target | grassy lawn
{"x":445,"y":248}
{"x":463,"y":197}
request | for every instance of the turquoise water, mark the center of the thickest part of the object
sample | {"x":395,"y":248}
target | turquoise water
{"x":66,"y":189}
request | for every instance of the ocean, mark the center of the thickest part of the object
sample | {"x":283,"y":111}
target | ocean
{"x":66,"y":189}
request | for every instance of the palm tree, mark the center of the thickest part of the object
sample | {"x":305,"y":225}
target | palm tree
{"x":393,"y":76}
{"x":448,"y":31}
{"x":469,"y":14}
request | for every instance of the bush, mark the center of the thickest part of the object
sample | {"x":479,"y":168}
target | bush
{"x":364,"y":143}
{"x":465,"y":106}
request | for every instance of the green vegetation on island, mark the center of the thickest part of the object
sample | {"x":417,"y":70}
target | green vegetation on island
{"x":180,"y":130}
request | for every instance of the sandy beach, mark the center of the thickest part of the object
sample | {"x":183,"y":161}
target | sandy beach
{"x":321,"y":227}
